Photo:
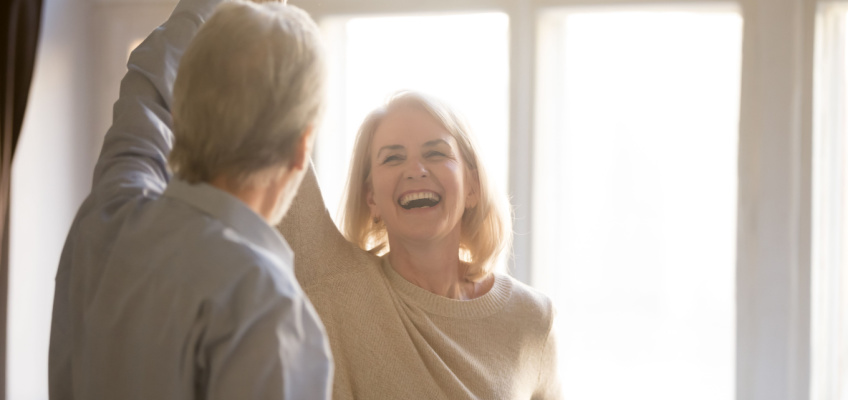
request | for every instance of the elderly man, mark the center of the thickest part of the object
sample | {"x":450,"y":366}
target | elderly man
{"x":179,"y":287}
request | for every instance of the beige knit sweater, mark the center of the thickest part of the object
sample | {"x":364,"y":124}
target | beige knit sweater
{"x":394,"y":340}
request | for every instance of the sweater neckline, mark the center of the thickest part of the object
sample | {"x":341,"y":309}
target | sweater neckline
{"x":483,"y":306}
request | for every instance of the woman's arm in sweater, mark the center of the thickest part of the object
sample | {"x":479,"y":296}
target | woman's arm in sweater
{"x":320,"y":250}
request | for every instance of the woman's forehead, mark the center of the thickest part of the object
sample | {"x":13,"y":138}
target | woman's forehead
{"x":409,"y":126}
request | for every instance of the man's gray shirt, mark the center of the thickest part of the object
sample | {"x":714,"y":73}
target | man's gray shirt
{"x":167,"y":290}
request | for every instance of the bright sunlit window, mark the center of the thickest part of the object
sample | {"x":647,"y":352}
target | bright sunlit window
{"x":635,"y":182}
{"x":830,"y":208}
{"x":460,"y":58}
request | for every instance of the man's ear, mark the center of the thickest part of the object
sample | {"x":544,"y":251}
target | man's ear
{"x":300,"y":158}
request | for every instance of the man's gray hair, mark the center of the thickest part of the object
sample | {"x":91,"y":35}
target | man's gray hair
{"x":249,"y":85}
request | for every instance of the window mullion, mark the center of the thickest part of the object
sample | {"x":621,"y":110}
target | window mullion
{"x":522,"y":50}
{"x":773,"y":245}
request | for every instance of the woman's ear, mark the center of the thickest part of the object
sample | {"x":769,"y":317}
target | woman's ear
{"x":369,"y":199}
{"x":472,"y":189}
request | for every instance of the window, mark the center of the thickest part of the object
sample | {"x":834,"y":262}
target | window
{"x":830,"y":208}
{"x":635,"y":198}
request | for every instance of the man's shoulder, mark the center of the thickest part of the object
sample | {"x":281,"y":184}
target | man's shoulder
{"x":213,"y":248}
{"x":177,"y":240}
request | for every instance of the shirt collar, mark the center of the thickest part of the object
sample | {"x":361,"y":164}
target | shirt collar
{"x":232,"y":212}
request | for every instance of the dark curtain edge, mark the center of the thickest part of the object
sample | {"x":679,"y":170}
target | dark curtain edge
{"x":19,"y":40}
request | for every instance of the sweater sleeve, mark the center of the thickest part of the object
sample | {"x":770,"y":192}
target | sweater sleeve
{"x":320,"y":248}
{"x":549,"y":384}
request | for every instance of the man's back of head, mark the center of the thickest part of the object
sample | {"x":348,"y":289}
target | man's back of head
{"x":248,"y":91}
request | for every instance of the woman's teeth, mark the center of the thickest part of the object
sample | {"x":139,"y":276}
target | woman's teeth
{"x":419,"y":200}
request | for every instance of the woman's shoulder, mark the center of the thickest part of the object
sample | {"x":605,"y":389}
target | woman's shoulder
{"x":527,"y":303}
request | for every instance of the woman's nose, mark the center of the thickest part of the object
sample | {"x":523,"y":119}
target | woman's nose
{"x":415,"y":170}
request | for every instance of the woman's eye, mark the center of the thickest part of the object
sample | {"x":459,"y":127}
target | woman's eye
{"x":435,"y":154}
{"x":391,"y":158}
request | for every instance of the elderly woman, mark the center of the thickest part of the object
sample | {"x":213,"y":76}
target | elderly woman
{"x":408,"y":297}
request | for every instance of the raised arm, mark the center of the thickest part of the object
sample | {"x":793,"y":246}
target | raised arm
{"x":133,"y":160}
{"x":132,"y":164}
{"x":320,"y":249}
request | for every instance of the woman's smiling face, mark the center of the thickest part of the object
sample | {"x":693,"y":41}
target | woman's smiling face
{"x":419,"y":185}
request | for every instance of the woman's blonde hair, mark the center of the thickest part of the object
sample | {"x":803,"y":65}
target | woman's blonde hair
{"x":486,"y":228}
{"x":248,"y":86}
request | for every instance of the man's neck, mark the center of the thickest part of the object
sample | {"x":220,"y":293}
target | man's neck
{"x":270,"y":198}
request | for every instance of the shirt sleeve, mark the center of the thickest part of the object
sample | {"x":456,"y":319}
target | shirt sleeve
{"x":132,"y":163}
{"x":133,"y":160}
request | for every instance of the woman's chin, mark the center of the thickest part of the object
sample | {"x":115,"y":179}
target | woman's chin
{"x":421,"y":233}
